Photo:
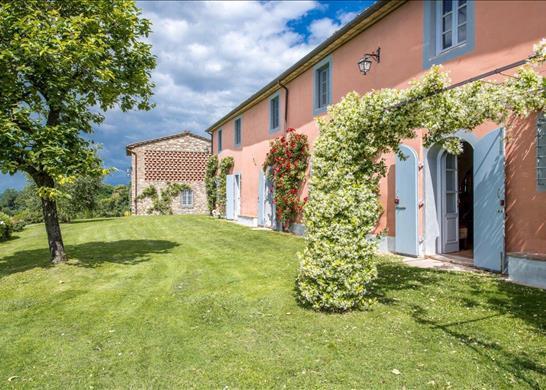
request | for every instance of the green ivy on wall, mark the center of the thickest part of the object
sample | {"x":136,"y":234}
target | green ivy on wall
{"x":224,"y":168}
{"x":210,"y":182}
{"x":338,"y":263}
{"x":161,"y":204}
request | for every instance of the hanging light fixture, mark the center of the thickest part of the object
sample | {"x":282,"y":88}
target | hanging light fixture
{"x":365,"y":63}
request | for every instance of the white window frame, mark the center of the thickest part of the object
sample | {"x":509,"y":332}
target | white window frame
{"x":186,"y":199}
{"x":454,"y":25}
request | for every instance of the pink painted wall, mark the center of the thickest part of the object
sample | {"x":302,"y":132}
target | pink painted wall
{"x":505,"y":33}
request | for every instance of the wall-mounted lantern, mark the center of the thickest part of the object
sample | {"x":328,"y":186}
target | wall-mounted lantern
{"x":365,"y":63}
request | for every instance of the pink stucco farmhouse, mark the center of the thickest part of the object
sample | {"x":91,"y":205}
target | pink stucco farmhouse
{"x":487,"y":205}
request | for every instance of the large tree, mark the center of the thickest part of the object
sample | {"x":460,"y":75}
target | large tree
{"x":62,"y":63}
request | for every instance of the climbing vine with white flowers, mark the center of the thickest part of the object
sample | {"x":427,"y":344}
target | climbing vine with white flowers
{"x":338,"y":263}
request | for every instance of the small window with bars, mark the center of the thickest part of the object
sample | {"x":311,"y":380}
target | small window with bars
{"x":238,"y":132}
{"x":186,"y":198}
{"x":541,"y":152}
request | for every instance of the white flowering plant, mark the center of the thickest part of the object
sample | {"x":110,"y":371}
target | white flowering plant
{"x":338,"y":263}
{"x":6,"y":227}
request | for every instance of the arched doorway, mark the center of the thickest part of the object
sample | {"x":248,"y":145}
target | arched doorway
{"x":464,"y":200}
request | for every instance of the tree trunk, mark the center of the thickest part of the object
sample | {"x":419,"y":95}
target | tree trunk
{"x":51,"y":219}
{"x":54,"y":236}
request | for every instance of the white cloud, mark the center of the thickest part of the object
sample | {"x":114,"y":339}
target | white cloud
{"x":212,"y":56}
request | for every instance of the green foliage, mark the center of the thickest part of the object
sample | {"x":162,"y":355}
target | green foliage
{"x":86,"y":197}
{"x":113,"y":202}
{"x":210,"y":182}
{"x":80,"y":198}
{"x":58,"y":59}
{"x":6,"y":227}
{"x":338,"y":263}
{"x":225,"y":167}
{"x":8,"y":201}
{"x":161,"y":204}
{"x":285,"y":165}
{"x":61,"y":61}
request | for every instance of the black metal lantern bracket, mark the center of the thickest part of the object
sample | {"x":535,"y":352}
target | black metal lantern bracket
{"x":365,"y":63}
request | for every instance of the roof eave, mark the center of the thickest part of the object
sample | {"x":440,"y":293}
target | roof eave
{"x":130,"y":147}
{"x":361,"y":22}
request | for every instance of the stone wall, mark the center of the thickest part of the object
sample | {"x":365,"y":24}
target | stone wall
{"x":177,"y":159}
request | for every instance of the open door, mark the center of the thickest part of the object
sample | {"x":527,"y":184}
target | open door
{"x":230,"y":197}
{"x":406,"y":240}
{"x":450,"y":204}
{"x":489,"y":201}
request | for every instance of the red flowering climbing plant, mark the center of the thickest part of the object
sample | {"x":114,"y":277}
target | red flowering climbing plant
{"x":285,"y":166}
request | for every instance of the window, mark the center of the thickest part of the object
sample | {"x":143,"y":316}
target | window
{"x":451,"y":23}
{"x":274,"y":113}
{"x":219,"y":140}
{"x":541,"y":152}
{"x":449,"y":30}
{"x":322,"y":89}
{"x":237,"y":132}
{"x":186,"y":199}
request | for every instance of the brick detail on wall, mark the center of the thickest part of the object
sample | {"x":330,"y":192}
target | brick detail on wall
{"x":174,"y":166}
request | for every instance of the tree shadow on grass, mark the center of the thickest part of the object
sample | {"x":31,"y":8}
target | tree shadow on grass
{"x":89,"y":254}
{"x":469,"y":333}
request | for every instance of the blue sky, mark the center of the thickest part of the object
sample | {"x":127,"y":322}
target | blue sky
{"x":200,"y":47}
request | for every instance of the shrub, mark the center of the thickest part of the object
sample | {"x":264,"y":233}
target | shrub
{"x":210,"y":182}
{"x":6,"y":227}
{"x":285,"y":165}
{"x":225,"y":167}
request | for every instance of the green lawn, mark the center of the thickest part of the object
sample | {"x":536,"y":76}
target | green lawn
{"x":195,"y":302}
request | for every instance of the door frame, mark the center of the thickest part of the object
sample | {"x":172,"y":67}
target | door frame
{"x":432,"y":221}
{"x":442,"y":174}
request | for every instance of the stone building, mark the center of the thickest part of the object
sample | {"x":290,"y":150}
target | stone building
{"x":178,"y":158}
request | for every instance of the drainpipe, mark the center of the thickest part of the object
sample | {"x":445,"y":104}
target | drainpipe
{"x":285,"y":104}
{"x":135,"y":183}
